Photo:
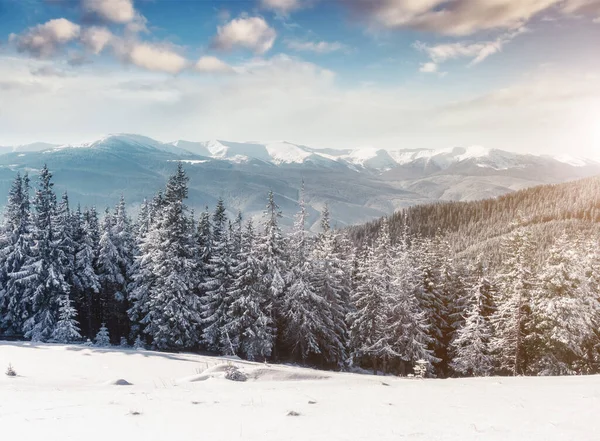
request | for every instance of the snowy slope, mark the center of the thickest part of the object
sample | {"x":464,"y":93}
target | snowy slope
{"x":69,"y":393}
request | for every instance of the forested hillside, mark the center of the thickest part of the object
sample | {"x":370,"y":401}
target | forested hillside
{"x":508,"y":286}
{"x":547,"y":210}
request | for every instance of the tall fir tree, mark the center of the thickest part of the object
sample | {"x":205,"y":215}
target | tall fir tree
{"x":249,"y":319}
{"x":44,"y":273}
{"x":67,"y":326}
{"x":86,"y":283}
{"x":167,"y":305}
{"x":217,"y":285}
{"x":273,"y":257}
{"x":562,"y":313}
{"x":407,"y":324}
{"x":512,"y":320}
{"x":371,"y":299}
{"x":329,"y":279}
{"x":16,"y":242}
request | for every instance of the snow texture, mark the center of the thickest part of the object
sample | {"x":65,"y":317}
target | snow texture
{"x":67,"y":392}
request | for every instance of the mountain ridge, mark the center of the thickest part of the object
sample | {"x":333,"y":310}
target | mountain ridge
{"x":358,"y":185}
{"x":285,"y":152}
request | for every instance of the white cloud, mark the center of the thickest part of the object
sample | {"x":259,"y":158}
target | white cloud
{"x":428,"y":67}
{"x":209,"y":64}
{"x":281,"y":6}
{"x":249,"y":32}
{"x":477,"y":51}
{"x":96,"y":38}
{"x":319,"y":47}
{"x":48,"y":71}
{"x":457,"y":17}
{"x":43,"y":40}
{"x":285,"y":98}
{"x":153,"y":57}
{"x":116,"y":11}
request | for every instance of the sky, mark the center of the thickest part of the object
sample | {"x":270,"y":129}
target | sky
{"x":518,"y":75}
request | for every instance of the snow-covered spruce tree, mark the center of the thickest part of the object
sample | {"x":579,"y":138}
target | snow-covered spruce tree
{"x":562,"y":313}
{"x":330,"y":276}
{"x":144,"y":219}
{"x":139,"y":344}
{"x":452,"y":303}
{"x":272,"y":252}
{"x":471,"y":347}
{"x":589,"y":255}
{"x":440,"y":294}
{"x":16,"y":243}
{"x":407,"y":324}
{"x":86,"y":284}
{"x":203,"y":236}
{"x":512,"y":321}
{"x":249,"y":322}
{"x":165,"y":292}
{"x":307,"y":324}
{"x":102,"y":339}
{"x":115,"y":262}
{"x":43,"y":275}
{"x":67,"y":327}
{"x":217,"y":286}
{"x":125,"y":246}
{"x":428,"y":290}
{"x":65,"y":227}
{"x":371,"y":299}
{"x":142,"y":277}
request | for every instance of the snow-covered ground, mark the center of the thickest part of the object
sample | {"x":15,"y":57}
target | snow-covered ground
{"x":72,"y":392}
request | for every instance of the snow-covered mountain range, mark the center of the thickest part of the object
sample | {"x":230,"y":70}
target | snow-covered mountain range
{"x":358,"y":184}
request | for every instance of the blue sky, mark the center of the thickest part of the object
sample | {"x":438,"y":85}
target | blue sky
{"x":514,"y":74}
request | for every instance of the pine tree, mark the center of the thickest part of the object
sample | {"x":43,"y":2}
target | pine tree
{"x":103,"y":337}
{"x":203,"y":236}
{"x":512,"y":319}
{"x":273,"y":262}
{"x":308,"y":325}
{"x":16,"y":242}
{"x":86,"y":283}
{"x":115,"y":263}
{"x":218,"y":285}
{"x":165,"y":290}
{"x":65,"y":225}
{"x":562,"y":313}
{"x":67,"y":327}
{"x":329,"y":279}
{"x":44,"y":274}
{"x":407,"y":324}
{"x":589,"y":256}
{"x":250,"y":325}
{"x":371,"y":299}
{"x":452,"y":299}
{"x":471,"y":346}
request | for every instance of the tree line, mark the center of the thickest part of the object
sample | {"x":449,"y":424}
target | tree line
{"x":172,"y":281}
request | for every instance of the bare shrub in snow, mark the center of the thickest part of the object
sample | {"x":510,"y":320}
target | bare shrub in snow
{"x":10,"y":371}
{"x":234,"y":374}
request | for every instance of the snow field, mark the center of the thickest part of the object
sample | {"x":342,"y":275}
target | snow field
{"x":71,"y":392}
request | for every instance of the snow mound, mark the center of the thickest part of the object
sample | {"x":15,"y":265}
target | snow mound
{"x":119,"y":382}
{"x":275,"y":374}
{"x":255,"y":373}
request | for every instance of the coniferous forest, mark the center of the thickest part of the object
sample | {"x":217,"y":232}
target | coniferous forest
{"x":509,"y":286}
